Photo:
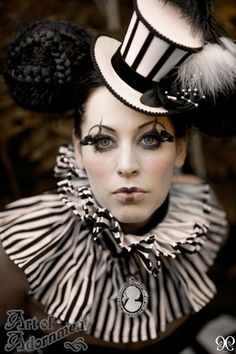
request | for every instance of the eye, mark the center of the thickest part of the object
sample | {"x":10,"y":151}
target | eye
{"x":150,"y":141}
{"x":103,"y":143}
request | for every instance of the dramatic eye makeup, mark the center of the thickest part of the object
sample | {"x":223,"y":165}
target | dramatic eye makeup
{"x":100,"y":141}
{"x":150,"y":139}
{"x":153,"y":138}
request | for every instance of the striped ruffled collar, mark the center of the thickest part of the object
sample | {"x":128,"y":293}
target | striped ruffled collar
{"x":183,"y":228}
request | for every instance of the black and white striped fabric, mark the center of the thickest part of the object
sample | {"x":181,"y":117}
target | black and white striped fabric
{"x":76,"y":257}
{"x":158,"y":40}
{"x":132,"y":60}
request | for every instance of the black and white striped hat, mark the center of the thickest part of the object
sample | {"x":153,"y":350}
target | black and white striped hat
{"x":163,"y":45}
{"x":158,"y":39}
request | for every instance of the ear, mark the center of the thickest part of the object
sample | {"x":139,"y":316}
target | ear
{"x":78,"y":152}
{"x":181,"y":151}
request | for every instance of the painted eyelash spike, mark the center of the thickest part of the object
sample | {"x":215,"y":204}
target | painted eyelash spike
{"x":165,"y":136}
{"x":89,"y":139}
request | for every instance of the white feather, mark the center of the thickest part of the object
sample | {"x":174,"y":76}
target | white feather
{"x":212,"y":70}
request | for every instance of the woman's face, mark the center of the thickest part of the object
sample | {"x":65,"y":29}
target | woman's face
{"x":128,"y":168}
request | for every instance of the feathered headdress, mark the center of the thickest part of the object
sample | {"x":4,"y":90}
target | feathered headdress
{"x":174,"y":56}
{"x":201,"y":16}
{"x":213,"y":69}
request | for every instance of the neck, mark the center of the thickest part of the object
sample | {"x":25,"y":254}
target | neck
{"x":144,"y":227}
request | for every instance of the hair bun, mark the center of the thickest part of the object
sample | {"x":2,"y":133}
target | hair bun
{"x":45,"y":62}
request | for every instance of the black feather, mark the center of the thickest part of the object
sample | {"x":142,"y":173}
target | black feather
{"x":200,"y":13}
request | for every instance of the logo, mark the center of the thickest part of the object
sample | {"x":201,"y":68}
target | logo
{"x":133,"y":297}
{"x":225,"y":344}
{"x":17,"y":324}
{"x":77,"y":345}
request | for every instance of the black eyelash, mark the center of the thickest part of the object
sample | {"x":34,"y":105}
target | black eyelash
{"x":160,"y":136}
{"x":165,"y":136}
{"x":93,"y":140}
{"x":88,"y":140}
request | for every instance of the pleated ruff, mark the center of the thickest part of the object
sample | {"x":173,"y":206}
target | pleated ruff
{"x":76,"y":265}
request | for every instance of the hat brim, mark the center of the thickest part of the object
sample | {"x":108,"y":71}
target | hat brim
{"x":103,"y":49}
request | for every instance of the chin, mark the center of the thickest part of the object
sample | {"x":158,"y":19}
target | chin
{"x":131,"y":217}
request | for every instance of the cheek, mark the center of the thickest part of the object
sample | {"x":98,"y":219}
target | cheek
{"x":97,"y":167}
{"x":161,"y":166}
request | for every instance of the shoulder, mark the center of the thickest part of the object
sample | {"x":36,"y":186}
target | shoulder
{"x":29,"y":220}
{"x":195,"y":194}
{"x":196,"y":187}
{"x":28,"y":213}
{"x":47,"y":199}
{"x":25,"y":226}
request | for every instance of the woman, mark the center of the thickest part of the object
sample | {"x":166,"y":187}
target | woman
{"x":123,"y":247}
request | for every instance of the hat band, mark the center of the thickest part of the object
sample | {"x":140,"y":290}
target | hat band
{"x":129,"y":76}
{"x":136,"y":80}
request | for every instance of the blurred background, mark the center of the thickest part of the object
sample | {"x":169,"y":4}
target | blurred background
{"x":29,"y":141}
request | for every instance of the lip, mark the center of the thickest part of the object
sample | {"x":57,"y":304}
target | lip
{"x":128,"y":195}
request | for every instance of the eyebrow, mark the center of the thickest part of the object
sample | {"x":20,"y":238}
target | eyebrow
{"x":104,"y":126}
{"x":151,"y":121}
{"x":139,"y":127}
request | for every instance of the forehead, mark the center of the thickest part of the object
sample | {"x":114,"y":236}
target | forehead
{"x":102,"y":106}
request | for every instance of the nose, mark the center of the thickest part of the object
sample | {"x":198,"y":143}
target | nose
{"x":128,"y":164}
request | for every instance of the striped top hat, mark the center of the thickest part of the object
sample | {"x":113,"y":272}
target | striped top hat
{"x":152,"y":70}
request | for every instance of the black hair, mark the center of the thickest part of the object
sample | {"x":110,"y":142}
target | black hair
{"x":92,"y":81}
